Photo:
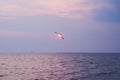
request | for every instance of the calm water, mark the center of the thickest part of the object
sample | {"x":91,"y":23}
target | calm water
{"x":71,"y":66}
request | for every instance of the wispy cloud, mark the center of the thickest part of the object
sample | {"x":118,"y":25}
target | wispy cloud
{"x":11,"y":33}
{"x":60,"y":8}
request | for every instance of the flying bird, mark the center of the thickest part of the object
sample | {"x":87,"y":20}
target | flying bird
{"x":59,"y":35}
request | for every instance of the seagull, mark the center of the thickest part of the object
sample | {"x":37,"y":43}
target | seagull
{"x":59,"y":35}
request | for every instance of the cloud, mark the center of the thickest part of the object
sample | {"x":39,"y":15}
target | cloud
{"x":11,"y":33}
{"x":109,"y":14}
{"x":115,"y":3}
{"x":60,"y":8}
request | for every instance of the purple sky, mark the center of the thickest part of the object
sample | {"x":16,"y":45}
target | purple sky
{"x":87,"y":25}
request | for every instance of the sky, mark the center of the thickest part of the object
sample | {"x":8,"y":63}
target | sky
{"x":28,"y":26}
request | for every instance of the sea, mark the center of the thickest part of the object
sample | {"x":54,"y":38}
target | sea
{"x":68,"y":66}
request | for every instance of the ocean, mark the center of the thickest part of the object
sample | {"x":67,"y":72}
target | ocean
{"x":74,"y":66}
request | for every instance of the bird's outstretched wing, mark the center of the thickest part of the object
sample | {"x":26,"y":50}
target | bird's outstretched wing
{"x":59,"y":35}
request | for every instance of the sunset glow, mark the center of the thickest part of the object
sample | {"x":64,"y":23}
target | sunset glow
{"x":82,"y":25}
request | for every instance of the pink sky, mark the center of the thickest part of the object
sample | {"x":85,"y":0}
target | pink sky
{"x":11,"y":33}
{"x":60,"y":8}
{"x":87,"y":25}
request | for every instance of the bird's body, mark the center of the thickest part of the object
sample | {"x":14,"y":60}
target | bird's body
{"x":59,"y":35}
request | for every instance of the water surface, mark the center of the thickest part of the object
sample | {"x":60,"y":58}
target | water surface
{"x":59,"y":67}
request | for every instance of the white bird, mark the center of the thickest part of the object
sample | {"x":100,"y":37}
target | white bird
{"x":59,"y":35}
